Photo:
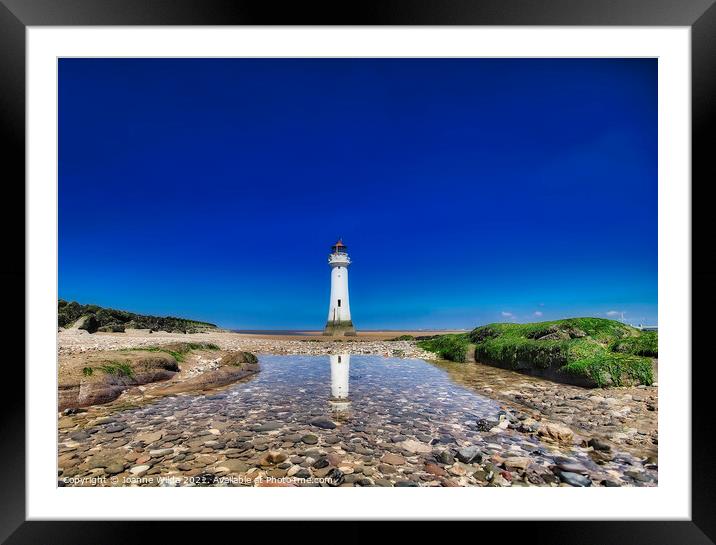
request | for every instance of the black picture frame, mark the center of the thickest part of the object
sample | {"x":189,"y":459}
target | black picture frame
{"x":699,"y":15}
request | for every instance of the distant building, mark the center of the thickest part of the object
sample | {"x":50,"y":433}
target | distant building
{"x":339,"y":310}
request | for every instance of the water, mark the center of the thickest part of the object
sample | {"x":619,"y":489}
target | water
{"x":380,"y":420}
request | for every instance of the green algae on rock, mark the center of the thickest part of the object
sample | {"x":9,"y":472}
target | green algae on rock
{"x":583,"y":351}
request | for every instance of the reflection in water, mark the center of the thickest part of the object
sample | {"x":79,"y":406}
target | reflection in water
{"x":340,"y":370}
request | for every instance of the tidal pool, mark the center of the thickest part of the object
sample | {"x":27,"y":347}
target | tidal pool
{"x":337,"y":420}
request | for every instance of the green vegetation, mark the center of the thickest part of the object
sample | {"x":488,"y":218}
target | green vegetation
{"x":176,"y":350}
{"x":117,"y":368}
{"x":97,"y":318}
{"x":451,"y":347}
{"x":645,"y":344}
{"x":591,"y":350}
{"x":87,"y":371}
{"x":404,"y":338}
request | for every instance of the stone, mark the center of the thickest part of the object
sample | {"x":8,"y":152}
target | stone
{"x":574,"y":479}
{"x":269,"y":426}
{"x":334,"y":459}
{"x":413,"y":446}
{"x":150,"y":437}
{"x":272,"y":457}
{"x":309,"y":439}
{"x":598,"y":444}
{"x":556,"y":432}
{"x":161,"y":452}
{"x":136,"y":470}
{"x":115,"y":428}
{"x":323,"y":423}
{"x":114,"y":468}
{"x":336,"y":476}
{"x":517,"y":462}
{"x":435,"y":469}
{"x":468,"y":454}
{"x":234,"y":466}
{"x":572,"y":467}
{"x":321,"y":463}
{"x":392,"y":459}
{"x":445,"y":457}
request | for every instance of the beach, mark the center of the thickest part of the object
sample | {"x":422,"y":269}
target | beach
{"x":410,"y":423}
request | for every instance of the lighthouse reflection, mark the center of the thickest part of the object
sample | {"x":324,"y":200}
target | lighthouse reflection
{"x":340,"y":370}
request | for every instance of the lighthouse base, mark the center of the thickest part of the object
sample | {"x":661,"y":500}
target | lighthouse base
{"x":338,"y":329}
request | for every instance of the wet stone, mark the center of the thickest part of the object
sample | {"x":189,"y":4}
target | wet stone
{"x":405,"y":423}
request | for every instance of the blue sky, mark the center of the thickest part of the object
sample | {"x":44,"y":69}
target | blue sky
{"x":468,"y":190}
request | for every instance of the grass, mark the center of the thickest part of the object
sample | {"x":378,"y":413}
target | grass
{"x":117,"y":368}
{"x":177,"y":350}
{"x":451,"y":347}
{"x":645,"y":344}
{"x":605,"y":352}
{"x":404,"y":338}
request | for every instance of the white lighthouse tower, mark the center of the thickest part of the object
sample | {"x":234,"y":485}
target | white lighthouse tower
{"x":339,"y":311}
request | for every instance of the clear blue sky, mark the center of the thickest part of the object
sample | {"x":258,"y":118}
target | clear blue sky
{"x":468,"y":190}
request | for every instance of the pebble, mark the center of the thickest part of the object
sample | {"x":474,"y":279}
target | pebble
{"x":406,"y":423}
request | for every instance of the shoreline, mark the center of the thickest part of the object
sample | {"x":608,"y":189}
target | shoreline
{"x":624,"y":416}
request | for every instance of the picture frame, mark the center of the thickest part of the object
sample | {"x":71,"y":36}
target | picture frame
{"x":699,"y":15}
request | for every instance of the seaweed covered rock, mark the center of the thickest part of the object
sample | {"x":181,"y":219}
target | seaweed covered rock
{"x":582,"y":351}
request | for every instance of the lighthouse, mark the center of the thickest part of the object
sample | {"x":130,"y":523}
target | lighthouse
{"x":339,"y":310}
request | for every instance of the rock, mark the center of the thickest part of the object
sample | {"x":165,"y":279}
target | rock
{"x":272,"y":457}
{"x":413,"y":446}
{"x":234,"y":466}
{"x":468,"y":454}
{"x":105,"y":459}
{"x":406,"y":483}
{"x":598,"y":444}
{"x":517,"y":462}
{"x":457,"y":470}
{"x":392,"y":459}
{"x":150,"y":437}
{"x":445,"y":457}
{"x":574,"y":479}
{"x":269,"y":426}
{"x":435,"y":469}
{"x":302,"y":474}
{"x":114,"y":468}
{"x":309,"y":439}
{"x":323,"y":423}
{"x":136,"y":470}
{"x":336,"y":476}
{"x":556,"y":432}
{"x":321,"y":463}
{"x":161,"y":452}
{"x":383,"y":482}
{"x":572,"y":467}
{"x":115,"y":428}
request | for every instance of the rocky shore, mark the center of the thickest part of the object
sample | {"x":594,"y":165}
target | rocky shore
{"x":78,"y":341}
{"x":450,"y":424}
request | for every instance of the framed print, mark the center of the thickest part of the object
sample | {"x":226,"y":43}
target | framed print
{"x":422,"y":260}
